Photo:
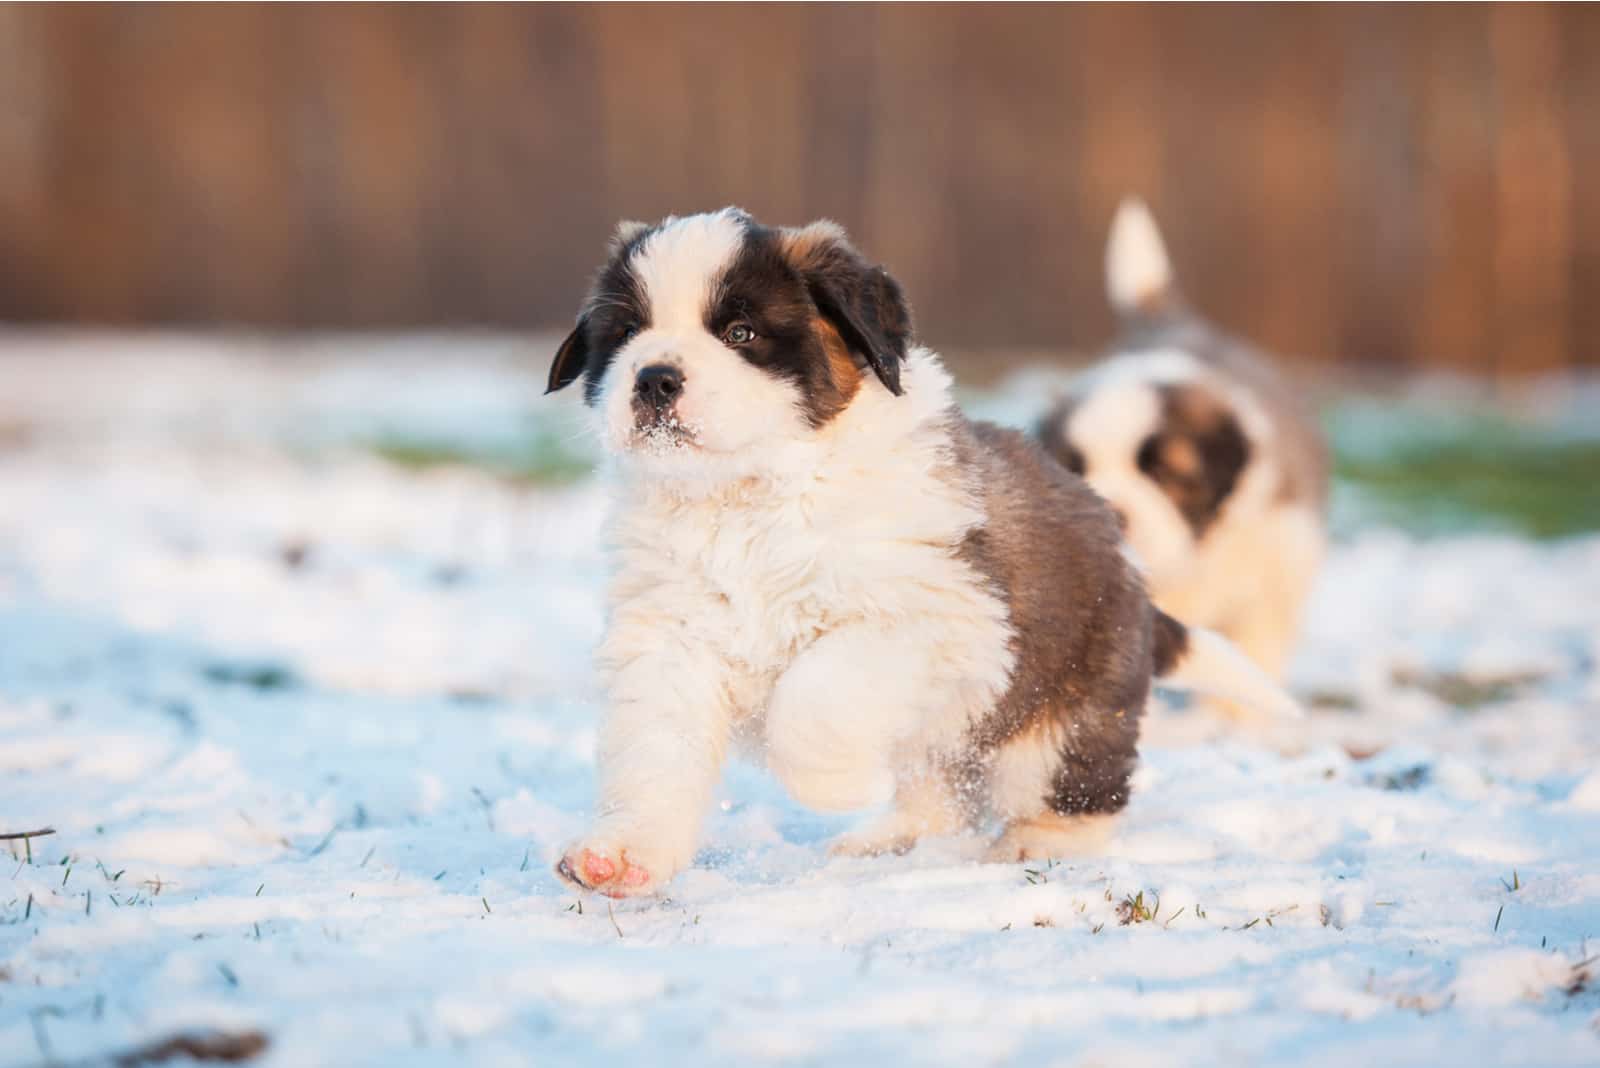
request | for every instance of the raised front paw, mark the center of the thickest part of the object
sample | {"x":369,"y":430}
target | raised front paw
{"x":605,"y":868}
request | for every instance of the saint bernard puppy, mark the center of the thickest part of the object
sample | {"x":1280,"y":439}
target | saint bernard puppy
{"x":819,"y":561}
{"x":1216,"y":470}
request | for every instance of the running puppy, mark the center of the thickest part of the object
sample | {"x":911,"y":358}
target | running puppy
{"x":1205,"y":452}
{"x":820,"y":561}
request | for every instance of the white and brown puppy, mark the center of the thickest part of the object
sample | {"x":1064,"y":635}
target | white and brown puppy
{"x":819,"y":560}
{"x":1216,"y":469}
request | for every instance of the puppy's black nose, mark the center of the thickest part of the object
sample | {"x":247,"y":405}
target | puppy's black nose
{"x":658,"y":385}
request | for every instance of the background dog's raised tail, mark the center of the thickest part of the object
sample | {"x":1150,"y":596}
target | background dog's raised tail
{"x":1138,"y":272}
{"x":1202,"y":661}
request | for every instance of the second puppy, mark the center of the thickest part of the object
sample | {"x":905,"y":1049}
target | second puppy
{"x":1216,"y":470}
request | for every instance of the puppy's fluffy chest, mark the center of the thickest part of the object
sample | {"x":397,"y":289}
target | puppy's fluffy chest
{"x":762,"y":570}
{"x":863,"y":528}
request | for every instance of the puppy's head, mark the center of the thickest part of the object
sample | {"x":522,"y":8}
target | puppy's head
{"x":1166,"y":454}
{"x":710,"y":340}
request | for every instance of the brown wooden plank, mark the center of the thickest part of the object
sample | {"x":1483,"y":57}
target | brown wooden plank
{"x":1398,"y":184}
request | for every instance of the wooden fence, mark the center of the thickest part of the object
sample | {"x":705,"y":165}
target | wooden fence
{"x":1377,"y":184}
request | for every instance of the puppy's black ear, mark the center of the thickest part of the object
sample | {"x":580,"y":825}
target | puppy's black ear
{"x":570,"y":357}
{"x":861,"y":300}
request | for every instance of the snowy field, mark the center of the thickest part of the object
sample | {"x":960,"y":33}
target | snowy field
{"x":311,"y":715}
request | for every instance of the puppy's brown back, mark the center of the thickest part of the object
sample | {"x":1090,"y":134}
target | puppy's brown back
{"x":1081,"y":619}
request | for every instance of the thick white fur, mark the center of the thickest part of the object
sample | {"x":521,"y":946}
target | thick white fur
{"x":1137,"y":266}
{"x":808,"y":601}
{"x":788,"y":587}
{"x":1024,"y":770}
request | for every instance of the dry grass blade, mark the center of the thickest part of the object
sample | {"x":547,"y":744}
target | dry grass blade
{"x":1580,"y":977}
{"x":12,"y":836}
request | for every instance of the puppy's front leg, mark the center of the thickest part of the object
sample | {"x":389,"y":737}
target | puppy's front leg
{"x":660,"y":753}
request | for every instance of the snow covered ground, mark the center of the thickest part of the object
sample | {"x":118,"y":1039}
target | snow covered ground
{"x":310,"y":727}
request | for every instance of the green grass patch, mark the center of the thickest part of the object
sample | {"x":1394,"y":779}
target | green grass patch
{"x":1464,"y":693}
{"x":540,"y":457}
{"x":1433,"y":475}
{"x":264,"y":677}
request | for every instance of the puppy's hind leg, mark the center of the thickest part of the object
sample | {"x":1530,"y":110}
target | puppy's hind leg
{"x":1059,"y":786}
{"x":924,"y":806}
{"x":1053,"y":836}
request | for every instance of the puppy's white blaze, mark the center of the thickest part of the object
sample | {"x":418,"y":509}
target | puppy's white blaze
{"x":1137,"y":267}
{"x":1108,"y":428}
{"x":1214,"y":667}
{"x":678,"y":265}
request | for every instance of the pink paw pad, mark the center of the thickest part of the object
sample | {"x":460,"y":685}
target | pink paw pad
{"x":613,"y":876}
{"x":596,"y":869}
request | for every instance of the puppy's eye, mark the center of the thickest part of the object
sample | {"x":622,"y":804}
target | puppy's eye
{"x":738,"y":334}
{"x":627,"y":333}
{"x":1149,"y":458}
